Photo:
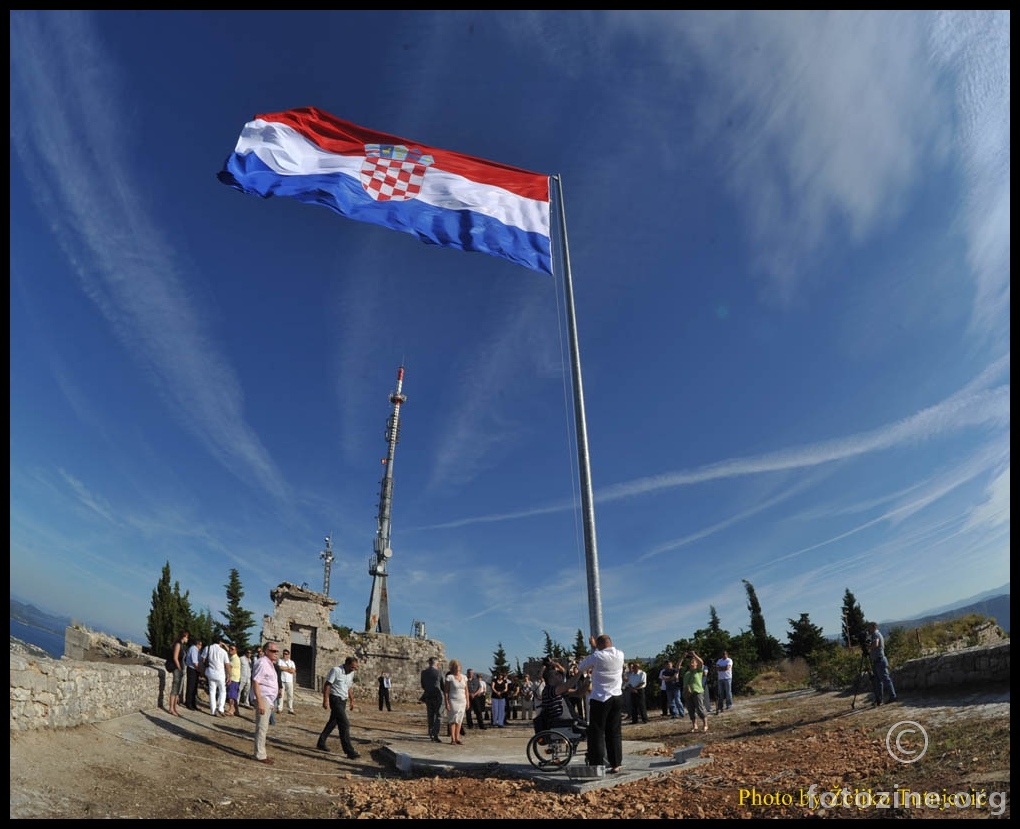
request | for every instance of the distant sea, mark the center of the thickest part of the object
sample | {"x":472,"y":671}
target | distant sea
{"x":52,"y":643}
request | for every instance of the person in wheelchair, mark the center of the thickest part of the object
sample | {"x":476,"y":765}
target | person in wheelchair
{"x":556,"y":712}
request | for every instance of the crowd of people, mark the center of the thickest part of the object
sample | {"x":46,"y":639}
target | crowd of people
{"x":595,"y":693}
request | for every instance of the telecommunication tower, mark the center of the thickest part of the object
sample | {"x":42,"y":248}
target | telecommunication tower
{"x":377,"y":614}
{"x":327,"y":556}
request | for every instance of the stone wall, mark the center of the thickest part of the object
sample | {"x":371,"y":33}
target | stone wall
{"x":63,"y":693}
{"x":970,"y":669}
{"x":402,"y":657}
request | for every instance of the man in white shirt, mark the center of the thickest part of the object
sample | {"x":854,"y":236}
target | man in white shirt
{"x":337,"y":697}
{"x":605,"y":733}
{"x":288,"y":670}
{"x":724,"y":692}
{"x":637,"y":680}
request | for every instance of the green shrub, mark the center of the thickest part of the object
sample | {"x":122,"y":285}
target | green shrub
{"x":838,"y":668}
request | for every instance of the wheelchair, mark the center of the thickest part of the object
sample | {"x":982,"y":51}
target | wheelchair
{"x":554,"y":747}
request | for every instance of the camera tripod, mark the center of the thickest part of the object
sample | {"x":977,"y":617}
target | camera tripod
{"x":864,"y":668}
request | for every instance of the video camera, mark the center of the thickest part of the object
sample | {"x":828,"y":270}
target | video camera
{"x":864,"y":643}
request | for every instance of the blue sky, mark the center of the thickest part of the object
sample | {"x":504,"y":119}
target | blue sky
{"x":789,"y":241}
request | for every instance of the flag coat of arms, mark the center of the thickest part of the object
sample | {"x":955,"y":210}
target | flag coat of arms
{"x":442,"y":197}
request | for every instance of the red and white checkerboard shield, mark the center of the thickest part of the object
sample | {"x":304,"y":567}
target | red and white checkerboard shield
{"x":392,"y":172}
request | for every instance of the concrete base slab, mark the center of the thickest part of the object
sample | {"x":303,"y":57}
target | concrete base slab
{"x":504,"y":753}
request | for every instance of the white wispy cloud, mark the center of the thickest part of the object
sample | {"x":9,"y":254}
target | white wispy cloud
{"x":969,"y":408}
{"x":995,"y":510}
{"x":823,"y":131}
{"x":983,"y":136}
{"x":760,"y":506}
{"x":922,"y":496}
{"x":73,"y":142}
{"x":87,"y":498}
{"x":830,"y":120}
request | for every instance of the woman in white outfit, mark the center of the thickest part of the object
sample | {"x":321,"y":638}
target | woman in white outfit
{"x":456,"y":701}
{"x":216,"y":676}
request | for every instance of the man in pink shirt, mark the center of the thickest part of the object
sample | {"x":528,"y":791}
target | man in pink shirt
{"x":266,"y":686}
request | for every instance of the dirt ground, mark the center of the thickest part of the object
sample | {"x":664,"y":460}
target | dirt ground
{"x":793,"y":754}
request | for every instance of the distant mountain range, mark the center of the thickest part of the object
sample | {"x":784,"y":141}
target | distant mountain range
{"x":992,"y":603}
{"x":45,"y":630}
{"x":30,"y":615}
{"x":31,"y":625}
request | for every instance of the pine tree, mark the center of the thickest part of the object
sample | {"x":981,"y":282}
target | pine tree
{"x":805,"y":640}
{"x":500,"y":663}
{"x":169,"y":615}
{"x":552,"y":649}
{"x":713,"y":621}
{"x":854,"y":624}
{"x":239,"y":620}
{"x":713,"y":640}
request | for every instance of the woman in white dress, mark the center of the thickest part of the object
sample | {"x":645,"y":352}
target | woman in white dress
{"x":456,"y":701}
{"x":217,"y":672}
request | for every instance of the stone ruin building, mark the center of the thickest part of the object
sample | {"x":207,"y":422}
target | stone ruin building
{"x":300,"y":622}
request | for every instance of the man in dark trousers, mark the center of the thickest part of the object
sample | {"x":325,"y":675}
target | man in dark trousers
{"x":432,"y":694}
{"x":192,"y":664}
{"x":384,"y":691}
{"x":605,"y":736}
{"x":337,"y":697}
{"x":476,"y":689}
{"x":880,"y":679}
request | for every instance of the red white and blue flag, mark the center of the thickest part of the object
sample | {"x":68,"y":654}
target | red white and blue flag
{"x":442,"y":197}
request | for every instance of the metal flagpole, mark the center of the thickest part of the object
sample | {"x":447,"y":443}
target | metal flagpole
{"x":583,"y":460}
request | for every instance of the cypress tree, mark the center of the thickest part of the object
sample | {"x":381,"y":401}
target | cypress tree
{"x":766,"y":647}
{"x":169,"y":615}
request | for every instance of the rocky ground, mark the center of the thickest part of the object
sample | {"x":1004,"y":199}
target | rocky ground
{"x":773,"y":755}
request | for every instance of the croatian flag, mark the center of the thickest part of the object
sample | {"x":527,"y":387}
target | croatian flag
{"x":442,"y":197}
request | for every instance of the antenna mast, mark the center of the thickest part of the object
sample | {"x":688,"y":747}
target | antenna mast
{"x":327,"y":556}
{"x":377,"y":614}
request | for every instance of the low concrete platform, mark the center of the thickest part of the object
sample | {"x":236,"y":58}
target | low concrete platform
{"x":503,"y":751}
